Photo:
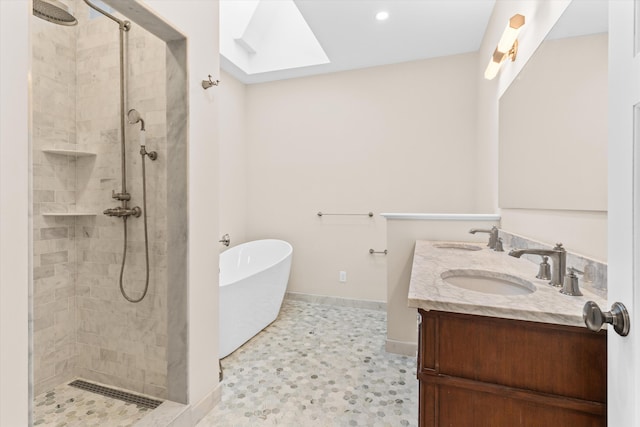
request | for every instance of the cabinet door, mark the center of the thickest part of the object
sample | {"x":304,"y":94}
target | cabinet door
{"x":477,"y":371}
{"x":554,"y":359}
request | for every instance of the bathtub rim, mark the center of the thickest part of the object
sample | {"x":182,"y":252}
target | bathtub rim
{"x":288,"y":254}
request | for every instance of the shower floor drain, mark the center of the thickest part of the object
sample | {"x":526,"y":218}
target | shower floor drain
{"x":142,"y":401}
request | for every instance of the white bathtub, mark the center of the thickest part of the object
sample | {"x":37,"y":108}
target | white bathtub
{"x":253,"y":281}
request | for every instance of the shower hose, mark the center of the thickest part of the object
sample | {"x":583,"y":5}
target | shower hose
{"x":146,"y":240}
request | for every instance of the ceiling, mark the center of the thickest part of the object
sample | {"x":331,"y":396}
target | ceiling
{"x":582,"y":18}
{"x":352,"y":38}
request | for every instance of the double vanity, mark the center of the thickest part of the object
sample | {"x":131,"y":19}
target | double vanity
{"x":499,"y":347}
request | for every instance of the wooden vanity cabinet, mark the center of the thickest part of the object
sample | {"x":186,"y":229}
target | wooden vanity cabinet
{"x":485,"y":371}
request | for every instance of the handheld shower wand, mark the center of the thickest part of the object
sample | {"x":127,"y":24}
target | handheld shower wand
{"x":134,"y":117}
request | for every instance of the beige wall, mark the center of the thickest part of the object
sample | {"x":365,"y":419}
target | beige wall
{"x":540,"y":225}
{"x":402,"y":332}
{"x":15,"y":213}
{"x":398,"y":138}
{"x":581,"y":232}
{"x":233,"y":159}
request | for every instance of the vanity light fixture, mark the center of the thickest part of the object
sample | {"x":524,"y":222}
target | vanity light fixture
{"x":507,"y":46}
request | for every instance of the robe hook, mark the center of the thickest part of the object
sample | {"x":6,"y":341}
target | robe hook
{"x":206,"y":84}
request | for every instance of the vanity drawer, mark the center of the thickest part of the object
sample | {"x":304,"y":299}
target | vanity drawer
{"x":455,"y":404}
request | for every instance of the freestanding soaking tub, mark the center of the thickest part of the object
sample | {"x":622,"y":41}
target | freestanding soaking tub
{"x":253,"y":281}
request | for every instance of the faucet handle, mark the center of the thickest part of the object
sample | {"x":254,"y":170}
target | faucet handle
{"x":493,"y":238}
{"x":544,"y":271}
{"x":120,"y":196}
{"x":570,"y":285}
{"x":574,"y":270}
{"x":558,"y":247}
{"x":499,"y":247}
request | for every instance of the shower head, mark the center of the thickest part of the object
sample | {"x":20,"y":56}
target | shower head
{"x":134,"y":117}
{"x":53,"y":11}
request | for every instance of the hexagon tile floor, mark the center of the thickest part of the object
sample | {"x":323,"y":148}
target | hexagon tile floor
{"x":67,"y":406}
{"x":318,"y":365}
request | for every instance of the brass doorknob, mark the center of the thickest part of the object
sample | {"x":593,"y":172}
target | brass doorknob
{"x":594,"y":318}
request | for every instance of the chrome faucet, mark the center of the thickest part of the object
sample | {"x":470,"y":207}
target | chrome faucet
{"x":559,"y":256}
{"x":493,"y":235}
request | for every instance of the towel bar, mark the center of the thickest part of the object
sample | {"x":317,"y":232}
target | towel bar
{"x":371,"y":251}
{"x":369,"y":214}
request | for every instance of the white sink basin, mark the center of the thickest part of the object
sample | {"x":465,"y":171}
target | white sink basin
{"x":458,"y":246}
{"x":488,"y":282}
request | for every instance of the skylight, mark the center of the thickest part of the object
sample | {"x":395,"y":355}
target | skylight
{"x":259,"y":36}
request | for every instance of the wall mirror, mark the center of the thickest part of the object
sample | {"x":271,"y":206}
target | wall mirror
{"x":553,"y":118}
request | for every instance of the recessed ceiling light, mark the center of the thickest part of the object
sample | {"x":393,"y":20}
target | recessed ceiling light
{"x":382,"y":16}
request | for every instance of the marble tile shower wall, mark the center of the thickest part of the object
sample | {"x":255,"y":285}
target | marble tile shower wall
{"x":53,"y":112}
{"x":82,"y":325}
{"x":120,"y":343}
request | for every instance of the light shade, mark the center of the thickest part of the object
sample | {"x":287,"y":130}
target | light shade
{"x":507,"y":46}
{"x":510,"y":33}
{"x":494,"y":65}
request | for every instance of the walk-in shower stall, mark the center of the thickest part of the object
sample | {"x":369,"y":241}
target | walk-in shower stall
{"x":103,"y":241}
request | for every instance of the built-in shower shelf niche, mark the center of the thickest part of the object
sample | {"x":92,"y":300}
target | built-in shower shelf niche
{"x":70,"y":153}
{"x":69,"y":214}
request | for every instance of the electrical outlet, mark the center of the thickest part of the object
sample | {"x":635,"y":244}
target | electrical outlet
{"x":343,"y":276}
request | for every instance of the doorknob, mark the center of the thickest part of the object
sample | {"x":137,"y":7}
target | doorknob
{"x":594,"y":318}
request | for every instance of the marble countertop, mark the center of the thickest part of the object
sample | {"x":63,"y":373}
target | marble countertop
{"x":428,"y":291}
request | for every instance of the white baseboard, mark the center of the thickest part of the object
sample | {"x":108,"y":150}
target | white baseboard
{"x":401,"y":347}
{"x":169,"y":414}
{"x":342,"y":302}
{"x":202,"y":408}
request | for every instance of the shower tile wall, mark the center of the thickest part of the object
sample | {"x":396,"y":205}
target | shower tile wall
{"x":53,"y":109}
{"x":120,"y":343}
{"x":90,"y":331}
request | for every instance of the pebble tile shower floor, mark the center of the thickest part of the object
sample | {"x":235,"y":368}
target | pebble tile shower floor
{"x":67,"y":406}
{"x":318,"y":365}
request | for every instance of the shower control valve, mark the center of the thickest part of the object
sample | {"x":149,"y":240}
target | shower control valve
{"x":123,"y":212}
{"x":120,"y":196}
